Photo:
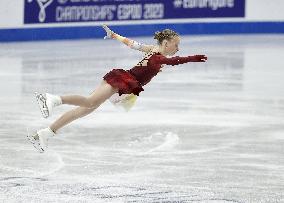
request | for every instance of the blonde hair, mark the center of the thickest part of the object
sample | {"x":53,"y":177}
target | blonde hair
{"x":166,"y":34}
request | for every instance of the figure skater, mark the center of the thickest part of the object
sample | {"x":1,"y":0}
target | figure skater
{"x":127,"y":83}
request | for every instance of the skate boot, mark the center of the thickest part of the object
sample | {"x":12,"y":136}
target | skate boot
{"x":34,"y":139}
{"x":40,"y":139}
{"x":47,"y":103}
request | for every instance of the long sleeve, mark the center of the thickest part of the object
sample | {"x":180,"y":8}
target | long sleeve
{"x":160,"y":59}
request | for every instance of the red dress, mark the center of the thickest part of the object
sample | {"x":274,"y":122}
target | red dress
{"x":131,"y":81}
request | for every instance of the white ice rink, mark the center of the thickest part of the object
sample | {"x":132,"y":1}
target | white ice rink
{"x":200,"y":132}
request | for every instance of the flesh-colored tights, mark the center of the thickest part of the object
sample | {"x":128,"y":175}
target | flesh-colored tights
{"x":86,"y":105}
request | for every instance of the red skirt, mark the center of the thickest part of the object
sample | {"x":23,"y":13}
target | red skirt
{"x":124,"y":81}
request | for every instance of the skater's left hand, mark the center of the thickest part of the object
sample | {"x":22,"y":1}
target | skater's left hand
{"x":198,"y":58}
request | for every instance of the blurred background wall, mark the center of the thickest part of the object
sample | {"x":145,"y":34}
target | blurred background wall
{"x":23,"y":20}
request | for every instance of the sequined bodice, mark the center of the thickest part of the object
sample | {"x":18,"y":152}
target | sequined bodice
{"x":143,"y":73}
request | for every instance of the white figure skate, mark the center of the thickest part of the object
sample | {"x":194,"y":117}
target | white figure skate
{"x":40,"y":139}
{"x":47,"y":103}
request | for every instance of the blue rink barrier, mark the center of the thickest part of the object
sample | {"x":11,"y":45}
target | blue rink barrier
{"x":89,"y":32}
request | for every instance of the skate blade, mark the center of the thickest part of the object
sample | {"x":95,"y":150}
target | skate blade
{"x":34,"y":142}
{"x":41,"y":101}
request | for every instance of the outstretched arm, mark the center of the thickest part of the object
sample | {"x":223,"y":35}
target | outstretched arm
{"x":179,"y":60}
{"x":128,"y":42}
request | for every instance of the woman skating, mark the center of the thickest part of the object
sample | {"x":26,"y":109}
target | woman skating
{"x":127,"y":83}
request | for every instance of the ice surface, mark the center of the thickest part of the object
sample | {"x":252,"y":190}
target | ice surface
{"x":201,"y":132}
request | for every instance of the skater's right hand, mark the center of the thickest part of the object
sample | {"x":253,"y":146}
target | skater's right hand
{"x":109,"y":32}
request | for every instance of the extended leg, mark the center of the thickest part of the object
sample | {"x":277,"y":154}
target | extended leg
{"x":70,"y":116}
{"x":102,"y":93}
